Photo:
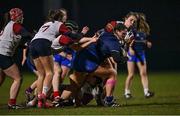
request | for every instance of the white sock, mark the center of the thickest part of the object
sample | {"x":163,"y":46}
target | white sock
{"x":45,"y":90}
{"x":127,"y":91}
{"x":146,"y":91}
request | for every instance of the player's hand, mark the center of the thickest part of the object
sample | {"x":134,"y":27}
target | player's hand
{"x":129,"y":37}
{"x":85,"y":30}
{"x":95,"y":38}
{"x":149,"y":44}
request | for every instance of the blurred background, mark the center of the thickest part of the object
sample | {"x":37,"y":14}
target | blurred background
{"x":163,"y":18}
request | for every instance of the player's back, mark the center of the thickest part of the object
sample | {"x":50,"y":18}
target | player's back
{"x":49,"y":31}
{"x":9,"y":40}
{"x":106,"y":44}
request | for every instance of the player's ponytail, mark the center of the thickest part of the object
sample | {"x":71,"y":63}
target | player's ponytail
{"x":55,"y":15}
{"x":6,"y":19}
{"x":142,"y":24}
{"x":51,"y":15}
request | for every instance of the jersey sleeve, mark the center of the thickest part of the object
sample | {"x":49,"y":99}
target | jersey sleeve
{"x":65,"y":40}
{"x":115,"y":51}
{"x":20,"y":30}
{"x":17,"y":28}
{"x":63,"y":29}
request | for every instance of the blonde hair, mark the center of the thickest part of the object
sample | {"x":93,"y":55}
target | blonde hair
{"x":142,"y":24}
{"x":55,"y":15}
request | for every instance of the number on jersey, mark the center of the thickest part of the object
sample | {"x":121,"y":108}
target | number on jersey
{"x":45,"y":27}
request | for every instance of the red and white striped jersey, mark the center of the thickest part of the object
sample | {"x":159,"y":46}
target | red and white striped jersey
{"x":51,"y":30}
{"x":9,"y":39}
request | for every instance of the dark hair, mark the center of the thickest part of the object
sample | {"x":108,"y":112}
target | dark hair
{"x":55,"y":15}
{"x":5,"y":20}
{"x":120,"y":27}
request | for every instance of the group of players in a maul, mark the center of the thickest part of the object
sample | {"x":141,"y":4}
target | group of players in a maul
{"x":58,"y":47}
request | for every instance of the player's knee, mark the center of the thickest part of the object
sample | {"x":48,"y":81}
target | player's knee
{"x":41,"y":74}
{"x":49,"y":74}
{"x":74,"y":81}
{"x":57,"y":71}
{"x":18,"y":79}
{"x":63,"y":75}
{"x":113,"y":72}
{"x":130,"y":75}
{"x":143,"y":74}
{"x":111,"y":82}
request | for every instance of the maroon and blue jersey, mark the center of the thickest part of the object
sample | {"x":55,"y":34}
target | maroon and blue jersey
{"x":140,"y":41}
{"x":139,"y":47}
{"x":88,"y":59}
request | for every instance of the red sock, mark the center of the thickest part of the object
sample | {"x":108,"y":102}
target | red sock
{"x":12,"y":101}
{"x":56,"y":93}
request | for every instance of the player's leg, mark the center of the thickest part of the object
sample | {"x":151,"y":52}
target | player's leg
{"x":76,"y":81}
{"x":31,"y":88}
{"x":41,"y":74}
{"x":64,"y":73}
{"x":111,"y":75}
{"x":40,"y":80}
{"x":2,"y":77}
{"x":56,"y":79}
{"x":13,"y":72}
{"x":59,"y":80}
{"x":144,"y":79}
{"x":128,"y":82}
{"x":47,"y":63}
{"x":29,"y":91}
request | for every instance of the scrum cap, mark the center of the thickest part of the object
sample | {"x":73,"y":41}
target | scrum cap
{"x":15,"y":13}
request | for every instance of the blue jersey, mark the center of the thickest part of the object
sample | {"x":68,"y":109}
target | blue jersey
{"x":140,"y":42}
{"x":88,"y":59}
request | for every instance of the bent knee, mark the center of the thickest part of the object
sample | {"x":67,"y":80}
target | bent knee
{"x":113,"y":72}
{"x":130,"y":75}
{"x":18,"y":79}
{"x":75,"y":81}
{"x":143,"y":74}
{"x":49,"y":74}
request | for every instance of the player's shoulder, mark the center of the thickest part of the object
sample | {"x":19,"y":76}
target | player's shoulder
{"x":109,"y":41}
{"x":141,"y":35}
{"x":52,"y":23}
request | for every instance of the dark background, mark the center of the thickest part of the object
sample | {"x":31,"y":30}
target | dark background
{"x":163,"y":18}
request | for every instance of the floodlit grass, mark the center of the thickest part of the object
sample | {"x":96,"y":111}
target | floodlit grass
{"x":166,"y":86}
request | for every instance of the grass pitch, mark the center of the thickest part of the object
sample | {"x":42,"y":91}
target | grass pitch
{"x":166,"y":86}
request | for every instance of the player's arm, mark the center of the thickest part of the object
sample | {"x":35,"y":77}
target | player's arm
{"x":112,"y":62}
{"x":85,"y":41}
{"x":65,"y":31}
{"x":148,"y":42}
{"x":85,"y":30}
{"x":117,"y":54}
{"x":24,"y":56}
{"x":18,"y":29}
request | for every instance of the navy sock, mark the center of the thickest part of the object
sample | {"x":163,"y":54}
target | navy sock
{"x":29,"y":90}
{"x":109,"y":99}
